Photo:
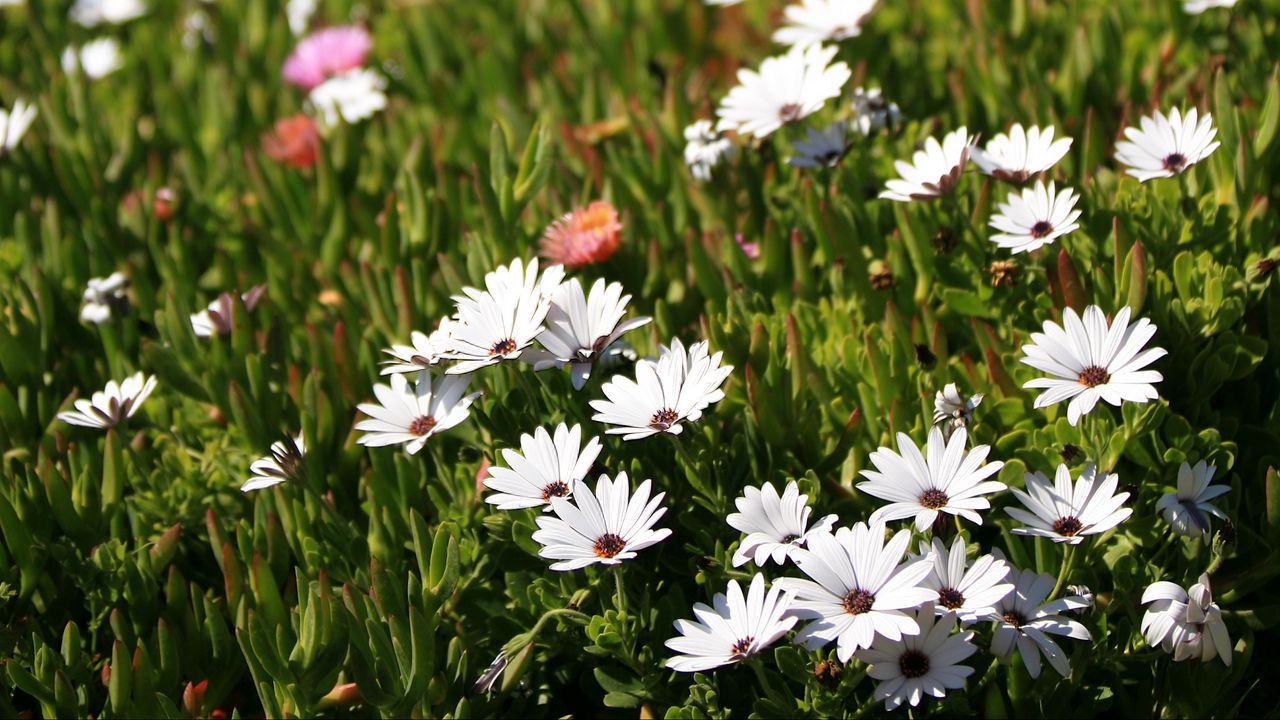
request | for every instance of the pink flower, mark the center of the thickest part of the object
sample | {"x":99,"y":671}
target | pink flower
{"x":750,"y":249}
{"x":293,"y":141}
{"x":584,"y":236}
{"x":325,"y":53}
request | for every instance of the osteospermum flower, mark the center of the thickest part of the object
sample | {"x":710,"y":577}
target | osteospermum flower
{"x":113,"y":405}
{"x":857,"y":588}
{"x":732,"y":629}
{"x":1187,"y":511}
{"x":871,"y":112}
{"x":775,"y":526}
{"x":915,"y":665}
{"x":325,"y":53}
{"x":951,"y":480}
{"x":971,"y":591}
{"x":1195,"y":7}
{"x":1186,"y":623}
{"x":13,"y":125}
{"x":933,"y":171}
{"x":582,"y":237}
{"x":821,"y":148}
{"x":605,"y":527}
{"x":1066,"y":513}
{"x":410,"y":415}
{"x":283,"y":464}
{"x":545,"y":468}
{"x":672,"y":390}
{"x":349,"y":97}
{"x":704,"y":149}
{"x":1035,"y":218}
{"x":1021,"y":154}
{"x":812,"y":22}
{"x":785,"y":89}
{"x":104,"y":298}
{"x":98,"y":58}
{"x":579,"y":328}
{"x":1024,"y":619}
{"x":424,"y":352}
{"x":294,"y":141}
{"x":90,"y":13}
{"x":1163,"y":146}
{"x":951,"y":411}
{"x":216,"y":319}
{"x":1091,"y":361}
{"x":498,"y":323}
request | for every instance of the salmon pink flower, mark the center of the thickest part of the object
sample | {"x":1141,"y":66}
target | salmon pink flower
{"x":582,"y":237}
{"x":325,"y":53}
{"x":293,"y":141}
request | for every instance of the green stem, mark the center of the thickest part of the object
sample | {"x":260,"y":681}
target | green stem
{"x":620,"y":596}
{"x":763,"y":678}
{"x":1068,"y":559}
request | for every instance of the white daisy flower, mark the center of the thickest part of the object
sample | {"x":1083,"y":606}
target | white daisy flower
{"x":1025,"y":619}
{"x":785,"y":89}
{"x":579,"y":328}
{"x":299,"y":13}
{"x":1181,"y":621}
{"x":672,"y":390}
{"x":13,"y":125}
{"x":545,"y":468}
{"x":775,"y":526}
{"x":1195,"y":7}
{"x":951,"y":411}
{"x":113,"y":405}
{"x":499,"y":322}
{"x":871,"y":112}
{"x":1065,"y":513}
{"x":857,"y":588}
{"x":950,"y":480}
{"x":913,"y":665}
{"x":91,"y":13}
{"x":1187,"y":511}
{"x":1021,"y":154}
{"x":216,"y":319}
{"x":284,"y":463}
{"x":971,"y":591}
{"x":1167,"y":145}
{"x":821,"y":148}
{"x":705,"y":148}
{"x":734,"y":629}
{"x":349,"y":97}
{"x":104,"y":298}
{"x":813,"y":22}
{"x":606,"y":526}
{"x":933,"y":171}
{"x":1092,"y":361}
{"x":1035,"y":218}
{"x":97,"y":59}
{"x":410,"y":414}
{"x":425,"y":351}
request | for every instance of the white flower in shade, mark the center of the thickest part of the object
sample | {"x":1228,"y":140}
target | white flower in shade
{"x":1035,"y":218}
{"x":672,"y":390}
{"x":1165,"y":146}
{"x":13,"y":125}
{"x":579,"y":327}
{"x":545,"y":468}
{"x":731,"y":630}
{"x":113,"y":405}
{"x":1186,"y":623}
{"x":499,"y":322}
{"x":813,"y":22}
{"x":409,"y":414}
{"x":349,"y":97}
{"x":1024,"y":619}
{"x":1021,"y":154}
{"x":785,"y":89}
{"x":857,"y":588}
{"x":299,"y":13}
{"x":90,"y":13}
{"x":971,"y":591}
{"x":1064,"y":512}
{"x":912,"y":666}
{"x":704,"y":149}
{"x":933,"y":171}
{"x":1091,"y":361}
{"x":1195,"y":7}
{"x":1187,"y":511}
{"x":426,"y":350}
{"x":950,"y":480}
{"x":283,"y":464}
{"x":97,"y":59}
{"x":722,"y":3}
{"x":871,"y":112}
{"x":821,"y":148}
{"x":606,"y":526}
{"x":951,"y":411}
{"x":104,"y":298}
{"x":775,"y":526}
{"x":216,"y":319}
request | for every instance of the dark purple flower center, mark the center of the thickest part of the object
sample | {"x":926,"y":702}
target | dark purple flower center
{"x":1175,"y":162}
{"x":858,"y":601}
{"x":1067,"y":526}
{"x":1014,"y":618}
{"x":950,"y":598}
{"x":742,"y":647}
{"x":608,"y":545}
{"x":422,"y":425}
{"x":1093,"y":376}
{"x":554,"y":489}
{"x":789,"y":112}
{"x":663,"y":419}
{"x":1041,"y":229}
{"x":933,"y":499}
{"x":506,"y":346}
{"x":913,"y":664}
